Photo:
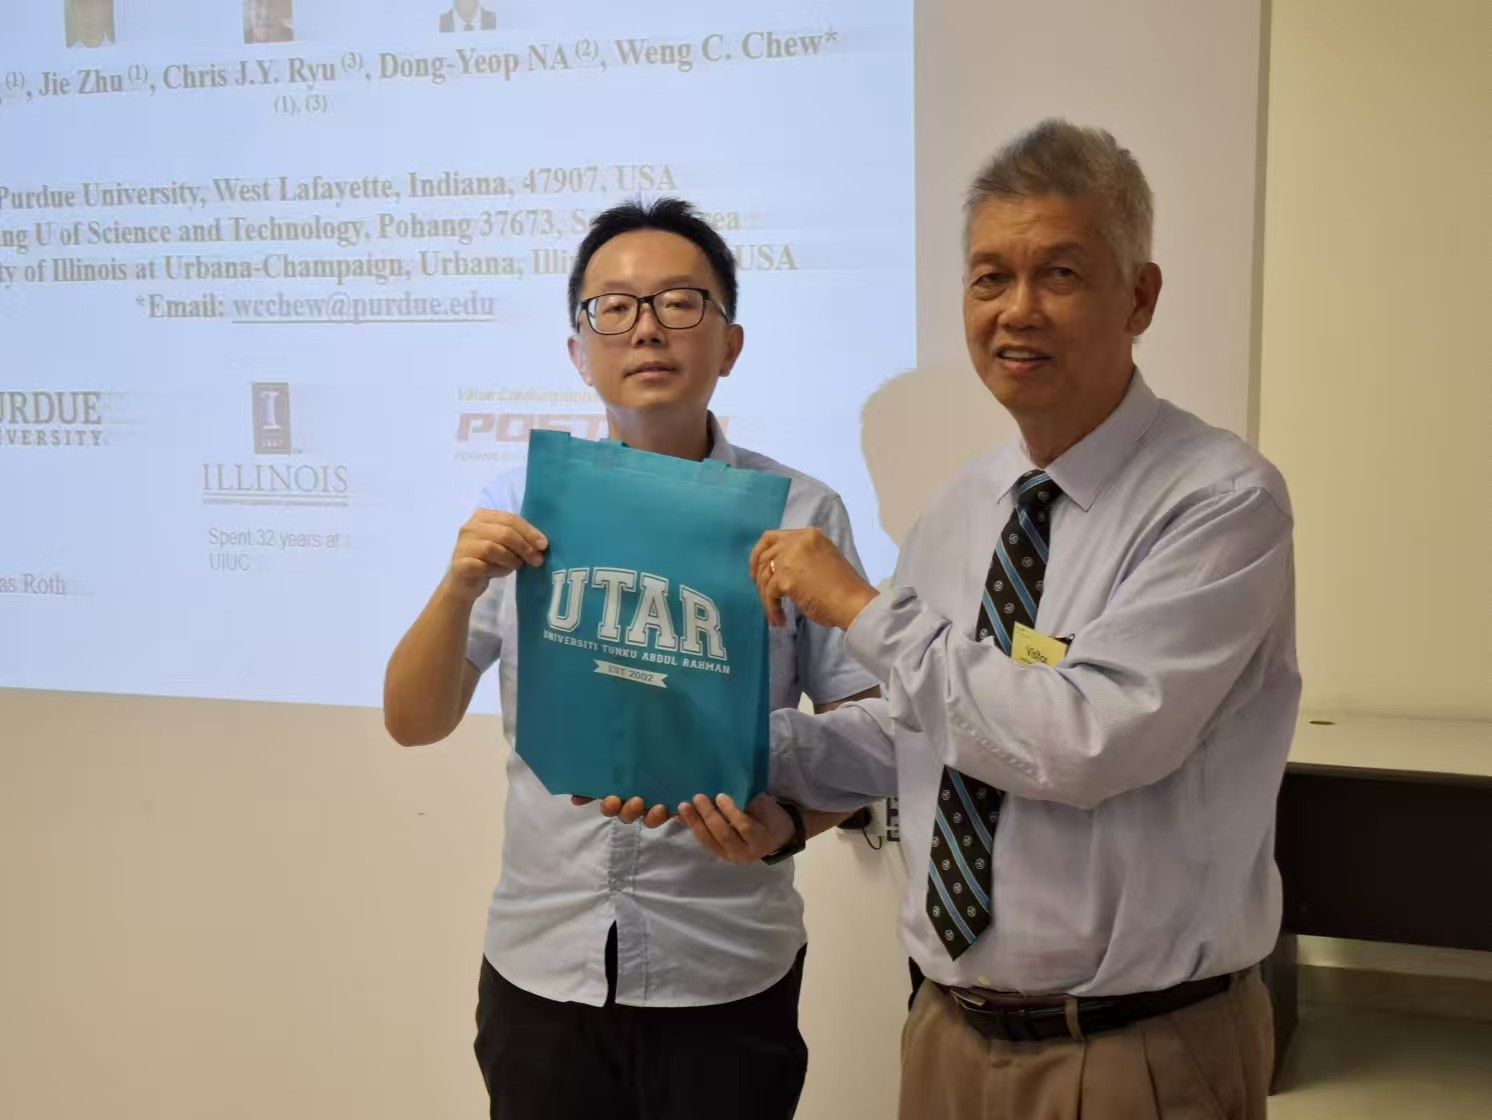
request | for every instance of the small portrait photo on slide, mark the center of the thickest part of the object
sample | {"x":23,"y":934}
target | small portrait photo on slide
{"x":268,"y":21}
{"x":90,"y":23}
{"x":468,"y":15}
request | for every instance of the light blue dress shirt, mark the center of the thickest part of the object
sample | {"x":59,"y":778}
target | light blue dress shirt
{"x":1136,"y":846}
{"x":692,"y":930}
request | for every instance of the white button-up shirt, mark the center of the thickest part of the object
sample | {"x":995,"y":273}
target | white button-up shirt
{"x":1135,"y":848}
{"x":692,"y":930}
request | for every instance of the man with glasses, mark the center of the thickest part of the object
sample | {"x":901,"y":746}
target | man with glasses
{"x":628,"y":972}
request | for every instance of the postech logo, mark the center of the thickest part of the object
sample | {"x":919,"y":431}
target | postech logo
{"x":514,"y":427}
{"x":496,"y":428}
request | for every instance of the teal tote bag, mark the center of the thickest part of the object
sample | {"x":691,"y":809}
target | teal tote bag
{"x":642,"y":643}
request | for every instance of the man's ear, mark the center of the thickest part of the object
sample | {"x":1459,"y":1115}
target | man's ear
{"x":1146,"y":295}
{"x":735,"y":339}
{"x":580,"y":361}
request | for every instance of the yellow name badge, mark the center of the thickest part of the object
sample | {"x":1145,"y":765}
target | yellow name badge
{"x":1032,"y":647}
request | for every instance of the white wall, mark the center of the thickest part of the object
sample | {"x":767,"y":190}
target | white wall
{"x":238,"y":911}
{"x":243,"y":911}
{"x":1375,"y":390}
{"x":1377,"y":364}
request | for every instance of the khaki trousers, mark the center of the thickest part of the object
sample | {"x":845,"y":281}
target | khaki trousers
{"x":1209,"y":1061}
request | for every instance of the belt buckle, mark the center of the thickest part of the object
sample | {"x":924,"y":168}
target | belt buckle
{"x":968,"y":1002}
{"x":988,"y":1021}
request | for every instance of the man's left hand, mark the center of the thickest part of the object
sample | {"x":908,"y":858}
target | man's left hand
{"x":803,"y":565}
{"x":736,"y":836}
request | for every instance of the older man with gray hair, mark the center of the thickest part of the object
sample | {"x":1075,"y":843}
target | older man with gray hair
{"x":1090,"y":688}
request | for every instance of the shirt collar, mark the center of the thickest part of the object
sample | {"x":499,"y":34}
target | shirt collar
{"x":1085,"y":468}
{"x":721,"y":448}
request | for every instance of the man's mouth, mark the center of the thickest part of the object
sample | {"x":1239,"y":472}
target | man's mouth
{"x":652,"y":367}
{"x":1022,"y":358}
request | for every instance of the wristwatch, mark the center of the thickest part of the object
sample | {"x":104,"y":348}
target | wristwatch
{"x":797,"y":843}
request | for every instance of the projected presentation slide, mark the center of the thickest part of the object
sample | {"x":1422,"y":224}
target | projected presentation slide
{"x":283,"y":288}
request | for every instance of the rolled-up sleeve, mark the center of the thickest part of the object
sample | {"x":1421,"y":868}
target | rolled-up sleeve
{"x":838,"y":761}
{"x":484,"y":631}
{"x":1140,"y":684}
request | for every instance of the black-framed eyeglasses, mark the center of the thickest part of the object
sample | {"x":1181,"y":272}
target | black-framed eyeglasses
{"x":678,"y":309}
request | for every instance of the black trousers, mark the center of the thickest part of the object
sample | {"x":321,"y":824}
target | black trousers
{"x":544,"y":1060}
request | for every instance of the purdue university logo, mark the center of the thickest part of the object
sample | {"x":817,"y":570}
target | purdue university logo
{"x":53,"y":418}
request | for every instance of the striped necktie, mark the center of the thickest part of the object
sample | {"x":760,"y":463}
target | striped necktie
{"x":968,"y":810}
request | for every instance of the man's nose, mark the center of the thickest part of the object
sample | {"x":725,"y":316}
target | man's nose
{"x":1022,"y":307}
{"x":647,"y":331}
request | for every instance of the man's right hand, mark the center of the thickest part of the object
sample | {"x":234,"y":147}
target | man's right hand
{"x":630,"y":811}
{"x":490,"y":545}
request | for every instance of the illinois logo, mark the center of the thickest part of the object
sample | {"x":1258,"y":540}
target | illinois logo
{"x":291,"y":478}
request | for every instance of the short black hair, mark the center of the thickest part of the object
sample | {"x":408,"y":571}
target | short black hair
{"x":672,"y":215}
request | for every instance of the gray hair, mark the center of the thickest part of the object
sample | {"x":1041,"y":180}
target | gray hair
{"x":1060,"y":158}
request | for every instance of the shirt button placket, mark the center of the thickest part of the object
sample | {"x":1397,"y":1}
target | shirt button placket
{"x":622,"y":861}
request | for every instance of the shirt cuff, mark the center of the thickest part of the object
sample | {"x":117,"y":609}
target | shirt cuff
{"x":783,"y":774}
{"x":866,"y":638}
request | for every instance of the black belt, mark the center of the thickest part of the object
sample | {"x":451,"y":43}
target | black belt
{"x":1020,"y":1019}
